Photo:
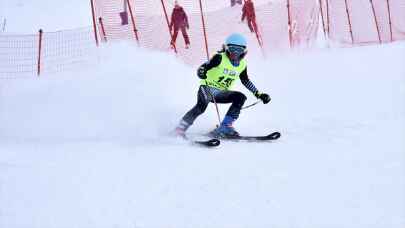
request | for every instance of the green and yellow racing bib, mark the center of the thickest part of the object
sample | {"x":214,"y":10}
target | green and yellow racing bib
{"x":224,"y":75}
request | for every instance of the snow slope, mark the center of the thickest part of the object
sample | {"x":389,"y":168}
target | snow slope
{"x":90,"y":148}
{"x":28,"y":16}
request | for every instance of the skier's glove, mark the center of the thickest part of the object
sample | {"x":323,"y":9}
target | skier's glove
{"x":201,"y":72}
{"x":263,"y":96}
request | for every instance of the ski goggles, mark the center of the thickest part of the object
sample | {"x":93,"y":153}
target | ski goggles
{"x":235,"y":49}
{"x":236,"y":52}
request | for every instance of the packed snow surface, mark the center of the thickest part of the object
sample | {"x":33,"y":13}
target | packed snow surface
{"x":90,"y":148}
{"x":28,"y":16}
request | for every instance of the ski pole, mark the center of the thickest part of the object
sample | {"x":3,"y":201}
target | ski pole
{"x":251,"y":105}
{"x":215,"y":103}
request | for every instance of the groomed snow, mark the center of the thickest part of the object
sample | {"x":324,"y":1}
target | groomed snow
{"x":89,"y":148}
{"x":28,"y":16}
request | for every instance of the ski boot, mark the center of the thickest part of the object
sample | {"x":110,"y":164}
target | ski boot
{"x":225,"y":130}
{"x":180,"y":130}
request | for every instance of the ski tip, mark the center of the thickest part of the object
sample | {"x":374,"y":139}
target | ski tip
{"x":208,"y":143}
{"x":214,"y":142}
{"x":275,"y":135}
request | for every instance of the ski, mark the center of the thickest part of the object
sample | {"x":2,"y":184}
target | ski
{"x":206,"y":143}
{"x":273,"y":136}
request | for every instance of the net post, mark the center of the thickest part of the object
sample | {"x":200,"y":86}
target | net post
{"x":204,"y":30}
{"x":390,"y":20}
{"x":102,"y":29}
{"x":376,"y":22}
{"x":93,"y":13}
{"x":328,"y":17}
{"x":39,"y":52}
{"x":168,"y":26}
{"x":133,"y":21}
{"x":289,"y":24}
{"x":349,"y":21}
{"x":323,"y":18}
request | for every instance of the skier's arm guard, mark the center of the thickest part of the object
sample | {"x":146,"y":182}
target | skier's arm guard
{"x":247,"y":83}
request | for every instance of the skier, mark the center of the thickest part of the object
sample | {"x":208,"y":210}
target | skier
{"x":217,"y":77}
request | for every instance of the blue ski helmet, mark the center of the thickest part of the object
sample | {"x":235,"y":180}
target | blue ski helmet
{"x":235,"y":47}
{"x":236,"y":39}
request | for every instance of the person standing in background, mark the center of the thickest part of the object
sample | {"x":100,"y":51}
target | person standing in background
{"x":179,"y":21}
{"x":248,"y":12}
{"x":124,"y":13}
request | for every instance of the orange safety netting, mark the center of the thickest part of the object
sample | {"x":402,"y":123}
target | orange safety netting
{"x":269,"y":25}
{"x":209,"y":22}
{"x":364,"y":21}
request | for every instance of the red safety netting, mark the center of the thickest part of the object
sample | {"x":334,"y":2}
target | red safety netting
{"x":270,"y":26}
{"x":148,"y":21}
{"x":397,"y":9}
{"x":209,"y":22}
{"x":364,"y":21}
{"x":304,"y":22}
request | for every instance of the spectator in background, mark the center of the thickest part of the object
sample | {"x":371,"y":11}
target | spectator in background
{"x":124,"y":14}
{"x":248,"y":12}
{"x":178,"y":22}
{"x":234,"y":2}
